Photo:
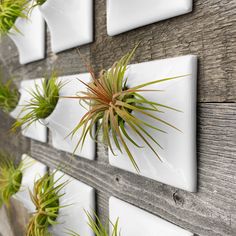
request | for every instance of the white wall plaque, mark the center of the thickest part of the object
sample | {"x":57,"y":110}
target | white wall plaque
{"x":36,"y":130}
{"x":70,"y":22}
{"x":73,"y":217}
{"x":67,"y":115}
{"x":31,"y":174}
{"x":30,"y":42}
{"x":178,"y":167}
{"x":125,"y":15}
{"x":134,"y":221}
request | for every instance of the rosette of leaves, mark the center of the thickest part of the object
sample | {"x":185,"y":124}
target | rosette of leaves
{"x":9,"y":96}
{"x":10,"y":177}
{"x":98,"y":228}
{"x":46,"y":198}
{"x":112,"y":105}
{"x":10,"y":10}
{"x":43,"y":102}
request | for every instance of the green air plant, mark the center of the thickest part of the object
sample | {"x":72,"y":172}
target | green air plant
{"x":1,"y":202}
{"x":10,"y":10}
{"x":46,"y":198}
{"x":9,"y":96}
{"x":40,"y":2}
{"x":42,"y":104}
{"x":10,"y":177}
{"x":98,"y":228}
{"x":111,"y":104}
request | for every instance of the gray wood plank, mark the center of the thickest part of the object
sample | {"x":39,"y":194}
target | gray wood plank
{"x":13,"y":219}
{"x":13,"y":143}
{"x":210,"y":211}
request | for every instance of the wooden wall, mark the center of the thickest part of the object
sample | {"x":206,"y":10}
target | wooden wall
{"x":209,"y":32}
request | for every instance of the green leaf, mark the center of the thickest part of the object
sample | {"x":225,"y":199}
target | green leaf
{"x":10,"y":10}
{"x":10,"y":177}
{"x":9,"y":96}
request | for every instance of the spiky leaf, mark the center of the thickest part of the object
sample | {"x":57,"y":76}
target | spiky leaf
{"x":9,"y":96}
{"x":10,"y":10}
{"x":98,"y":228}
{"x":10,"y":177}
{"x":46,"y":198}
{"x":43,"y":102}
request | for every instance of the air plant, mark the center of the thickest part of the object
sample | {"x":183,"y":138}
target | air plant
{"x":112,"y":105}
{"x":10,"y":10}
{"x":43,"y":102}
{"x":1,"y":202}
{"x":98,"y":228}
{"x":9,"y":96}
{"x":10,"y":177}
{"x":40,"y":2}
{"x":46,"y":198}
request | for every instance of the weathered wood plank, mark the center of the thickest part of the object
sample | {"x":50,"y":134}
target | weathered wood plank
{"x":13,"y":219}
{"x":19,"y":218}
{"x":14,"y":143}
{"x":210,"y":211}
{"x":209,"y":32}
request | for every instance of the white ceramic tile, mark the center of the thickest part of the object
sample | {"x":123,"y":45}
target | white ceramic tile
{"x":134,"y":221}
{"x":36,"y":130}
{"x":82,"y":198}
{"x":67,"y":115}
{"x":125,"y":15}
{"x":31,"y":41}
{"x":178,"y":166}
{"x":70,"y":24}
{"x":31,"y":174}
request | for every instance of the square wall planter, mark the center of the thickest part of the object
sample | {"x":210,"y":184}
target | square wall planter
{"x":31,"y":174}
{"x":67,"y":115}
{"x":70,"y":22}
{"x":178,"y":154}
{"x":125,"y":15}
{"x":30,"y":42}
{"x":78,"y":198}
{"x":36,"y":130}
{"x":134,"y":221}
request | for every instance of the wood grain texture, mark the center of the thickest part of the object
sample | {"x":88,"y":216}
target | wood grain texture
{"x":11,"y":142}
{"x":19,"y":217}
{"x":210,"y":211}
{"x":209,"y":32}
